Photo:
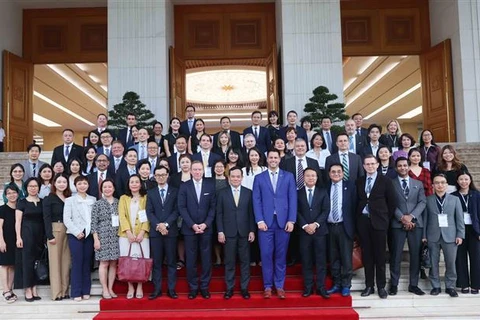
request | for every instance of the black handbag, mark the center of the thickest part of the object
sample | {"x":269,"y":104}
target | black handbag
{"x":425,"y":257}
{"x":41,"y":265}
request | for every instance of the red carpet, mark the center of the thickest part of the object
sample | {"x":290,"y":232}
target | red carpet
{"x":293,"y":307}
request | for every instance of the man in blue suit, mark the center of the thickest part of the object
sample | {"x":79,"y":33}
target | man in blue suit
{"x":275,"y":208}
{"x":196,"y":204}
{"x":187,"y":126}
{"x":262,"y":137}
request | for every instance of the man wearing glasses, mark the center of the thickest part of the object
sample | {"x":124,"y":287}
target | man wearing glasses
{"x":96,"y":178}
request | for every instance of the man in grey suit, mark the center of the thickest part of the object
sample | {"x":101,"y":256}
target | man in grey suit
{"x":444,"y":229}
{"x":32,"y":164}
{"x":351,"y":162}
{"x":407,"y":223}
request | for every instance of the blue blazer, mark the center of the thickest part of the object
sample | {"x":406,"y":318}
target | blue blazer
{"x":158,"y":212}
{"x":349,"y":205}
{"x":212,"y":157}
{"x":283,"y":201}
{"x":263,"y":141}
{"x":473,"y":209}
{"x":193,"y":211}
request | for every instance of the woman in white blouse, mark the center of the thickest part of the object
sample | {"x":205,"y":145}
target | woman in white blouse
{"x":77,"y":217}
{"x":255,"y":165}
{"x":316,"y":150}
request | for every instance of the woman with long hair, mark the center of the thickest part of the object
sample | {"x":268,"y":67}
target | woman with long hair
{"x":391,"y":138}
{"x":45,"y":177}
{"x":255,"y":165}
{"x":386,"y":165}
{"x":469,"y":250}
{"x":74,"y":167}
{"x":291,"y":135}
{"x":158,"y":137}
{"x":449,"y":164}
{"x":134,"y":227}
{"x":273,"y":125}
{"x":418,"y":172}
{"x":185,"y":162}
{"x":317,"y":151}
{"x":194,"y":140}
{"x":7,"y":242}
{"x":306,"y":124}
{"x":94,"y":139}
{"x":171,"y":137}
{"x":144,"y":170}
{"x":77,"y":217}
{"x":406,"y":143}
{"x":89,"y":154}
{"x":56,"y":233}
{"x":223,"y":143}
{"x":429,"y":150}
{"x":30,"y":234}
{"x":17,"y":172}
{"x":105,"y":223}
{"x":279,"y":145}
{"x":235,"y":159}
{"x":58,"y":167}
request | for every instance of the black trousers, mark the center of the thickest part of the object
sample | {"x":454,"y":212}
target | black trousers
{"x":233,"y":246}
{"x":471,"y":248}
{"x":373,"y":243}
{"x":313,"y":248}
{"x":193,"y":245}
{"x":341,"y":248}
{"x":414,"y":239}
{"x":160,"y":248}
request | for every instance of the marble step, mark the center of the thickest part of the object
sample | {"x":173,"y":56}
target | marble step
{"x":437,"y":312}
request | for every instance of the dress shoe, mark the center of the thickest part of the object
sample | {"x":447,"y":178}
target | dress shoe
{"x":416,"y":290}
{"x":291,"y":263}
{"x":192,"y":294}
{"x":334,"y":289}
{"x":36,"y":298}
{"x":382,"y":293}
{"x":267,"y":294}
{"x":154,"y":295}
{"x":29,"y":299}
{"x":172,"y":294}
{"x":281,"y":293}
{"x":465,"y":290}
{"x":205,"y":293}
{"x":228,"y":294}
{"x":345,"y":292}
{"x":393,"y":290}
{"x":307,"y":292}
{"x":68,"y":297}
{"x":435,"y":291}
{"x":245,"y":294}
{"x":323,"y":293}
{"x":367,"y":291}
{"x":474,"y":291}
{"x":451,"y":292}
{"x":60,"y":298}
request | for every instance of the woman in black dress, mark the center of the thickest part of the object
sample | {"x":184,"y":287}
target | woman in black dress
{"x":144,"y":169}
{"x":7,"y":242}
{"x":30,"y":236}
{"x":89,"y":155}
{"x":171,"y":137}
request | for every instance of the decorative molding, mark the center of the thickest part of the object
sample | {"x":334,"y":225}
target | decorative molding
{"x":52,"y":38}
{"x":204,"y":34}
{"x":357,"y":30}
{"x":245,"y":33}
{"x":93,"y":37}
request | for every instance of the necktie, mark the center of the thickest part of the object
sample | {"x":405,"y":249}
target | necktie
{"x":100,"y":180}
{"x":256,"y":132}
{"x":67,"y":151}
{"x":107,"y":152}
{"x":190,"y":125}
{"x":345,"y":167}
{"x":335,"y":214}
{"x":130,"y":137}
{"x":274,"y":181}
{"x":205,"y":160}
{"x":34,"y":171}
{"x":162,"y":195}
{"x":198,"y":189}
{"x":300,"y":177}
{"x":117,"y":164}
{"x":405,"y":188}
{"x":152,"y":166}
{"x":368,"y":189}
{"x":329,"y":141}
{"x":359,"y":131}
{"x":351,"y":147}
{"x":235,"y":196}
{"x":132,"y":171}
{"x":310,"y":197}
{"x":142,"y":152}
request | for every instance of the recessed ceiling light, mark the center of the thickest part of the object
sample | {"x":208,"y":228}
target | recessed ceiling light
{"x":412,"y":113}
{"x":366,"y":65}
{"x":44,"y":121}
{"x":227,"y":114}
{"x":59,"y":106}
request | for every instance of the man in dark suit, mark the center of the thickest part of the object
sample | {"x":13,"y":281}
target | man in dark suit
{"x":328,"y":136}
{"x":360,"y":131}
{"x":376,"y":206}
{"x":153,"y":158}
{"x":173,"y":160}
{"x":102,"y":121}
{"x":292,"y":123}
{"x":107,"y":138}
{"x":341,"y":229}
{"x":374,"y":133}
{"x":68,"y":150}
{"x":226,"y":123}
{"x":275,"y":208}
{"x":206,"y":156}
{"x":162,"y":213}
{"x":196,"y":204}
{"x":406,"y":224}
{"x":125,"y":135}
{"x":356,"y":143}
{"x":187,"y":126}
{"x":124,"y":172}
{"x":117,"y":161}
{"x":236,"y":227}
{"x":313,"y":208}
{"x":261,"y":134}
{"x":351,"y":162}
{"x":95,"y":179}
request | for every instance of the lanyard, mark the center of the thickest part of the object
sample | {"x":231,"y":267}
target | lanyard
{"x":465,"y":200}
{"x":426,"y":151}
{"x":441,"y":203}
{"x":393,"y":140}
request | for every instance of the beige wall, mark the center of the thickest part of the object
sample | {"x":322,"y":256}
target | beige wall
{"x":53,"y":139}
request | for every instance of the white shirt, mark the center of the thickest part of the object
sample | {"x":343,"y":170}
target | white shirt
{"x":307,"y":191}
{"x":339,"y":204}
{"x":321,"y":158}
{"x":249,"y":177}
{"x":2,"y":134}
{"x":374,"y":148}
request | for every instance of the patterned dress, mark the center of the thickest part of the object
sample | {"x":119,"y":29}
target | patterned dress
{"x":102,"y":213}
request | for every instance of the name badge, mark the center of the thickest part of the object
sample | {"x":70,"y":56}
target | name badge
{"x":467,"y":218}
{"x":208,"y":172}
{"x":142,"y":216}
{"x":426,"y":164}
{"x":443,"y":221}
{"x":394,"y":149}
{"x":115,"y":221}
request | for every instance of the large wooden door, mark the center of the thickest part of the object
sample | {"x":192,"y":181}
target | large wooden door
{"x":272,"y":80}
{"x":177,"y":85}
{"x":437,"y":88}
{"x":17,"y":102}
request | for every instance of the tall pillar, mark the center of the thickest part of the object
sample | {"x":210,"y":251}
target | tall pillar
{"x":11,"y":32}
{"x":460,"y":21}
{"x":139,"y":35}
{"x":310,"y":42}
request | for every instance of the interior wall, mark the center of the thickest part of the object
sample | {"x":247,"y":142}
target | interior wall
{"x":53,"y":139}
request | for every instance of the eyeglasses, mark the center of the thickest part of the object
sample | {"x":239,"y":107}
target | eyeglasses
{"x":162,"y":175}
{"x":439,"y":182}
{"x":102,"y":160}
{"x":152,"y":148}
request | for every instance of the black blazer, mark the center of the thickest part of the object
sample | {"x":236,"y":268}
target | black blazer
{"x":122,"y":136}
{"x":184,"y":128}
{"x":158,"y":212}
{"x":381,"y":203}
{"x":173,"y":163}
{"x":360,"y":143}
{"x":121,"y":179}
{"x":355,"y":166}
{"x":390,"y":141}
{"x":212,"y":157}
{"x":193,"y":211}
{"x":234,"y":138}
{"x":263,"y":142}
{"x":76,"y":151}
{"x":318,"y":212}
{"x":290,"y":165}
{"x":349,"y":205}
{"x":367,"y":149}
{"x":111,"y":166}
{"x":334,"y":141}
{"x":233,"y":220}
{"x":93,"y":187}
{"x":301,"y":133}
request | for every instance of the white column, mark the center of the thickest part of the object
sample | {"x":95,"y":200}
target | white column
{"x":460,"y":21}
{"x":139,"y":35}
{"x":11,"y":30}
{"x":310,"y":41}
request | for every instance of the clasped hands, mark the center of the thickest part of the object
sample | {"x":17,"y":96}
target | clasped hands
{"x":310,"y":228}
{"x":132,"y":238}
{"x":199,"y":228}
{"x":406,"y":220}
{"x":262,"y":226}
{"x":162,"y":228}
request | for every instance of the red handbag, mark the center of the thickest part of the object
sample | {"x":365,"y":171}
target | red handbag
{"x":356,"y":256}
{"x":134,"y":269}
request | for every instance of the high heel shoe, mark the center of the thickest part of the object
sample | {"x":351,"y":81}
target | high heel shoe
{"x":139,"y":295}
{"x":129,"y":295}
{"x":29,"y":299}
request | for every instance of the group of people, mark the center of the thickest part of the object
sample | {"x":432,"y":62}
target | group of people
{"x":285,"y":194}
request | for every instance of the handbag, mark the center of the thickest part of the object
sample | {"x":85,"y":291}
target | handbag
{"x":41,"y":265}
{"x":425,"y":257}
{"x":356,"y":256}
{"x":134,"y":269}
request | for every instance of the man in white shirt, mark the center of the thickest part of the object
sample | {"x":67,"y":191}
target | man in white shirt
{"x":181,"y":148}
{"x":68,"y":150}
{"x":328,"y":136}
{"x":117,"y":160}
{"x":355,"y":142}
{"x":102,"y":121}
{"x":374,"y":133}
{"x":106,"y":138}
{"x":153,"y":158}
{"x":142,"y":145}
